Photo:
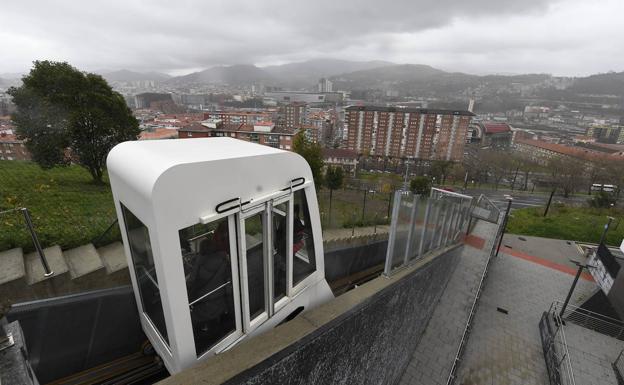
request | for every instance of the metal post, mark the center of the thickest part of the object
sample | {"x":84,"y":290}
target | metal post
{"x":392,"y":235}
{"x":424,"y":230}
{"x":576,"y":277}
{"x":33,"y":235}
{"x":509,"y":200}
{"x":549,"y":200}
{"x":412,"y":229}
{"x":389,"y":203}
{"x":606,"y":229}
{"x":364,"y":205}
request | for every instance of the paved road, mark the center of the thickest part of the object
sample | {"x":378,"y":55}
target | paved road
{"x":523,"y":199}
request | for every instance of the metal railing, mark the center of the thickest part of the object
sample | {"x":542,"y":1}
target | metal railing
{"x":618,"y":368}
{"x":591,"y":320}
{"x":473,"y":309}
{"x":485,"y":209}
{"x":555,"y":346}
{"x":31,"y":229}
{"x":420,"y":225}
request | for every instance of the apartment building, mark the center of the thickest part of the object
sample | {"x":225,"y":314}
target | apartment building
{"x":240,"y":116}
{"x":407,"y":132}
{"x":262,"y":133}
{"x":12,"y":148}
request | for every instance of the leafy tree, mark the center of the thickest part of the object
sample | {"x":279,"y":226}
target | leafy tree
{"x":420,"y":185}
{"x":312,"y":153}
{"x":440,"y":169}
{"x":603,"y":200}
{"x":334,"y":178}
{"x":67,"y":115}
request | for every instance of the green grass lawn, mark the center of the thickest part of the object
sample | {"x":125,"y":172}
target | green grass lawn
{"x":66,"y":207}
{"x":69,"y":210}
{"x":583,"y":224}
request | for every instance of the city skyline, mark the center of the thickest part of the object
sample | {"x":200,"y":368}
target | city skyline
{"x":566,"y":38}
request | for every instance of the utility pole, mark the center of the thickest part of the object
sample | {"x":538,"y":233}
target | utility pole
{"x":606,"y":229}
{"x":549,"y":200}
{"x":509,"y":200}
{"x":364,"y":205}
{"x":576,"y":277}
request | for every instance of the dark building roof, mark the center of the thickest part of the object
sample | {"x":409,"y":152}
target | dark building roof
{"x":410,"y":110}
{"x":339,"y":153}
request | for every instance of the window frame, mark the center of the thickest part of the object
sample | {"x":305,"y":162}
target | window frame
{"x":236,"y":292}
{"x":143,"y":314}
{"x":250,"y":324}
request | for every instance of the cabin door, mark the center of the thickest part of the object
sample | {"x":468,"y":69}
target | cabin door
{"x":264,"y":232}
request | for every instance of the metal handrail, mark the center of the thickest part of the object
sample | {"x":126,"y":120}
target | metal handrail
{"x":591,"y":320}
{"x":563,"y":356}
{"x":473,"y":309}
{"x":33,"y":235}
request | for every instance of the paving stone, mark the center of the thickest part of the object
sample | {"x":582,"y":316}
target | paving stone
{"x":34,"y":268}
{"x":12,"y":263}
{"x":113,"y":257}
{"x":83,"y":260}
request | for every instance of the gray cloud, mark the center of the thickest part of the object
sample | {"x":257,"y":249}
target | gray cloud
{"x":472,"y":36}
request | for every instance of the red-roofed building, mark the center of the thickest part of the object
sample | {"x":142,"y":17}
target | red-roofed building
{"x":347,"y":159}
{"x":160,"y":133}
{"x":542,"y":152}
{"x":12,"y":148}
{"x":491,"y":134}
{"x":262,"y":132}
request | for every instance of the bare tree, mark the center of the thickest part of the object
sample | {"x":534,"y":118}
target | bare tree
{"x":566,"y":173}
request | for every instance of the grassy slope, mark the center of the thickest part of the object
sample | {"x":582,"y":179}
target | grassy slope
{"x":66,"y":207}
{"x":574,"y":223}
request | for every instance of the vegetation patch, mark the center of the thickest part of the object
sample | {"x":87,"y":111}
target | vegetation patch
{"x":584,"y":224}
{"x":66,"y":207}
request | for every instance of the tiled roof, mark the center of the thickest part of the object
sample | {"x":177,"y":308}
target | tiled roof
{"x":576,"y":152}
{"x":339,"y":153}
{"x":496,"y":128}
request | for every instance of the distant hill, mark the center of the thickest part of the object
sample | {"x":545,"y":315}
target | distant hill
{"x":307,"y":73}
{"x":611,"y":83}
{"x":235,"y":75}
{"x":393,"y":73}
{"x":131,"y":76}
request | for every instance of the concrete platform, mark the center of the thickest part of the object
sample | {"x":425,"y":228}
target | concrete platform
{"x":83,"y":260}
{"x":113,"y":257}
{"x":555,"y":250}
{"x":12,"y":265}
{"x":34,"y":267}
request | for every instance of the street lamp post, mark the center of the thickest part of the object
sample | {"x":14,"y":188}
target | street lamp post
{"x":576,"y":278}
{"x":500,"y":241}
{"x":606,"y":229}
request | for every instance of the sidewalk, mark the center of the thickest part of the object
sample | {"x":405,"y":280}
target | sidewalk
{"x":433,"y":358}
{"x":504,"y":346}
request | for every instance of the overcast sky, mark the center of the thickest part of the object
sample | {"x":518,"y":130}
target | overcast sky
{"x":562,"y":37}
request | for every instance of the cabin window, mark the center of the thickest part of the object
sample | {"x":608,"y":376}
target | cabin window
{"x":206,"y":259}
{"x":254,"y":243}
{"x":280,"y":243}
{"x":304,"y":259}
{"x":144,"y":270}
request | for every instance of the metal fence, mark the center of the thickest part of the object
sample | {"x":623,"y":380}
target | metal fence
{"x":555,"y":347}
{"x":591,"y":320}
{"x":423,"y":224}
{"x":485,"y":209}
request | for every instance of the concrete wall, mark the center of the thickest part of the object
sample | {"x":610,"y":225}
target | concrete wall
{"x":366,"y":336}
